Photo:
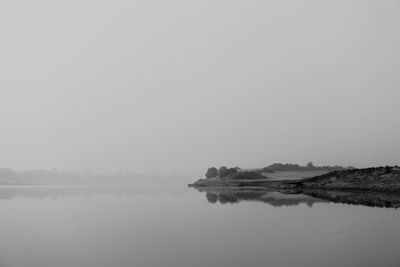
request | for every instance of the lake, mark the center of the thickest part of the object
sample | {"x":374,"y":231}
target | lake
{"x":172,"y":225}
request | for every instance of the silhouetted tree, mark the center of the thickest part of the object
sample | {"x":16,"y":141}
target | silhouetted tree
{"x":224,"y":171}
{"x":212,"y":172}
{"x":212,"y":198}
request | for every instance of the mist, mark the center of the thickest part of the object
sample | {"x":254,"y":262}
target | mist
{"x":178,"y":86}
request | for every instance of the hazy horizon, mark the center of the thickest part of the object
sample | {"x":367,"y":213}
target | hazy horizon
{"x":179,"y":86}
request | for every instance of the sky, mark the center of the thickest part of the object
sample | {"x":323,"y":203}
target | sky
{"x":182,"y":85}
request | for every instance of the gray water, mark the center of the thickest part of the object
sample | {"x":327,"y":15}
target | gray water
{"x":178,"y":226}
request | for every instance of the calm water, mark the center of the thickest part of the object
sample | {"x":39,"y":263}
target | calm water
{"x":178,"y":226}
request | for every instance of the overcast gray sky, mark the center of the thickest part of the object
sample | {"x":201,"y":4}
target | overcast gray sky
{"x":182,"y":85}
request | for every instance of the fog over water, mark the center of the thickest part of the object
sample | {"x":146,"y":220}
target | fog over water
{"x":177,"y":85}
{"x":151,"y":226}
{"x":108,"y":109}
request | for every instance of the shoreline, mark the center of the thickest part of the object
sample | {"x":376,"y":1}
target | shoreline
{"x":379,"y":179}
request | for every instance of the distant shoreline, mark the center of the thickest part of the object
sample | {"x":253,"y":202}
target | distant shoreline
{"x":379,"y":179}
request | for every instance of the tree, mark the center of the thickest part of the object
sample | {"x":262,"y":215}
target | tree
{"x":224,"y":171}
{"x":212,"y":172}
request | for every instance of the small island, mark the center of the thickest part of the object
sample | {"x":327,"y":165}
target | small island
{"x":293,"y":178}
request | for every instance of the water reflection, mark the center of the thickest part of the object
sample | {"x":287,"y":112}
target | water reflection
{"x":174,"y":226}
{"x":56,"y":192}
{"x":213,"y":195}
{"x":276,"y":199}
{"x":308,"y":197}
{"x":370,"y":199}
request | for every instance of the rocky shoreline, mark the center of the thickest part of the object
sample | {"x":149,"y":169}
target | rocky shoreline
{"x":379,"y":179}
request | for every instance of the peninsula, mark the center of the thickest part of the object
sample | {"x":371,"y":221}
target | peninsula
{"x":292,"y":178}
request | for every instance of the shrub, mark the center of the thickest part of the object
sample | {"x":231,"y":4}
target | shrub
{"x":224,"y":171}
{"x":212,"y":172}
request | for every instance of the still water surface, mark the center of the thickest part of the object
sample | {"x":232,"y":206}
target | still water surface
{"x":151,"y":226}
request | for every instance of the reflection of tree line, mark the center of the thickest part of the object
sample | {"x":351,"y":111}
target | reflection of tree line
{"x":278,"y":200}
{"x":308,"y":197}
